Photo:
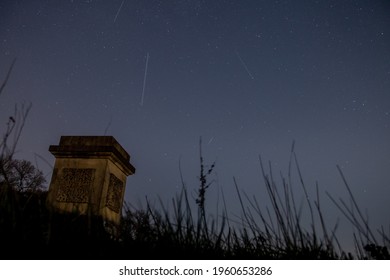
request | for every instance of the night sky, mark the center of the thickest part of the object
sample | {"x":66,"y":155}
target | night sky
{"x":248,"y":77}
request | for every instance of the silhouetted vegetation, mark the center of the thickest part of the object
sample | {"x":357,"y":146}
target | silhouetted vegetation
{"x":32,"y":231}
{"x":29,"y":229}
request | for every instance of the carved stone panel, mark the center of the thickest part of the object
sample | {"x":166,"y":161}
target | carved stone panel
{"x":114,"y":194}
{"x":75,"y":184}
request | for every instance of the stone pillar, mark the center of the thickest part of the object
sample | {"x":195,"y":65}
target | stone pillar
{"x":89,"y":176}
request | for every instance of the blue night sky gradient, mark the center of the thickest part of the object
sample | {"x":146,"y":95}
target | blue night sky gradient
{"x":249,"y":77}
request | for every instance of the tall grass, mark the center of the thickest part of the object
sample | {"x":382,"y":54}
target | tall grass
{"x":276,"y":232}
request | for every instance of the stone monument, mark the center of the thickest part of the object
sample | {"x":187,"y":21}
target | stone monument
{"x":89,"y":176}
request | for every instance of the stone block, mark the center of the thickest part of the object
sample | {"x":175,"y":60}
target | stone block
{"x":89,"y":176}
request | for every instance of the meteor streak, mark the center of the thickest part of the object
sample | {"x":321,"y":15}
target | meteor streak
{"x":145,"y":74}
{"x":119,"y":10}
{"x":243,"y":64}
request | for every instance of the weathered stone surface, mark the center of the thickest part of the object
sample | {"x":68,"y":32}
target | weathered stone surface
{"x":89,"y":176}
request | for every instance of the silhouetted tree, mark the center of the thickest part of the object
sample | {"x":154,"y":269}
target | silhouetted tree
{"x":21,"y":175}
{"x":22,"y":196}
